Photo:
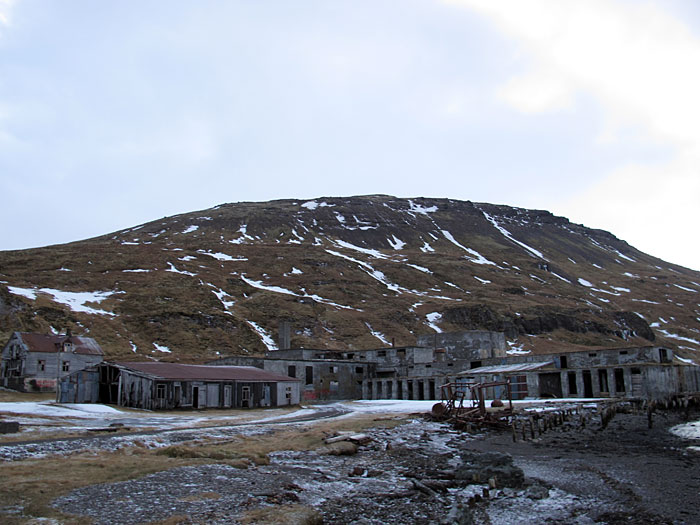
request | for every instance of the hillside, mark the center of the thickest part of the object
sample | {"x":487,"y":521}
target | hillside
{"x":357,"y":272}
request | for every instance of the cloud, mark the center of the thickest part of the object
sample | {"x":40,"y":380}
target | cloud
{"x":5,"y":9}
{"x":637,"y":61}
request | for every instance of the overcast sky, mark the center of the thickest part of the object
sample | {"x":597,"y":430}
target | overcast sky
{"x":115,"y":113}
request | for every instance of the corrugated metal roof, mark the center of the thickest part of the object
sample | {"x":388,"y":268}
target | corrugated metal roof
{"x":178,"y":371}
{"x":47,"y":343}
{"x":505,"y":369}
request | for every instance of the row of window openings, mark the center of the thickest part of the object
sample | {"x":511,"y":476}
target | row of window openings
{"x":292,"y":372}
{"x":41,"y":365}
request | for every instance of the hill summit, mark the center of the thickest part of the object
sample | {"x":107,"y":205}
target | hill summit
{"x":351,"y":272}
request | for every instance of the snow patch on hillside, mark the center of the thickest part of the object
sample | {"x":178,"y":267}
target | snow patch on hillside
{"x":76,"y":301}
{"x":378,"y":335}
{"x":476,"y":256}
{"x":684,"y":288}
{"x":433,"y":318}
{"x":182,"y":272}
{"x":222,"y":256}
{"x":426,"y":248}
{"x":367,"y":251}
{"x":312,"y":205}
{"x":509,"y":236}
{"x":396,"y":244}
{"x":417,"y":208}
{"x":267,"y":340}
{"x":190,"y":229}
{"x":585,"y":283}
{"x":162,"y":348}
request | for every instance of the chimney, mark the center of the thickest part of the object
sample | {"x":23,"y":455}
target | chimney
{"x":284,"y":338}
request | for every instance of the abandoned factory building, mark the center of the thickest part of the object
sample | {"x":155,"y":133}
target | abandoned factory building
{"x":419,"y":372}
{"x":34,"y":362}
{"x":158,"y":386}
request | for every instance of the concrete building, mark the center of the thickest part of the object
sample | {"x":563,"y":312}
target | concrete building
{"x":407,"y":372}
{"x":419,"y":372}
{"x":649,"y":372}
{"x":35,"y":362}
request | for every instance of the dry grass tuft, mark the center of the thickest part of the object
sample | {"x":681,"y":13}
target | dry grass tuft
{"x":283,"y":515}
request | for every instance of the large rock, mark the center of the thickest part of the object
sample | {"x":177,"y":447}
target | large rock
{"x":480,"y":467}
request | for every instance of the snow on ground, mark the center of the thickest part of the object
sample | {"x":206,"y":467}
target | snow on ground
{"x":666,"y":333}
{"x":516,"y":349}
{"x":267,"y":340}
{"x":244,"y":235}
{"x":222,"y":256}
{"x":378,"y":335}
{"x":560,"y":277}
{"x":476,"y":256}
{"x":222,"y":296}
{"x":374,"y":406}
{"x":419,"y":268}
{"x":396,"y":243}
{"x":684,"y":288}
{"x":482,"y":281}
{"x":687,"y":430}
{"x":367,"y":251}
{"x":312,"y":205}
{"x":583,"y":282}
{"x":510,"y":237}
{"x":50,"y":409}
{"x":426,"y":248}
{"x":433,"y":318}
{"x":76,"y":301}
{"x":417,"y":208}
{"x":162,"y":348}
{"x":136,"y":270}
{"x":175,"y":270}
{"x":191,"y":229}
{"x":279,"y":289}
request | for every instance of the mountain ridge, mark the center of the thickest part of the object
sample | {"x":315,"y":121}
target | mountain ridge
{"x":350,"y":272}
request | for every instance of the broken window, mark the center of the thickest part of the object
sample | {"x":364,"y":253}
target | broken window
{"x":288,"y":392}
{"x":563,"y":362}
{"x":245,"y":393}
{"x":160,"y":391}
{"x":65,"y":366}
{"x":381,"y":353}
{"x":292,"y":371}
{"x":41,"y":365}
{"x":359,"y":370}
{"x":333,"y":369}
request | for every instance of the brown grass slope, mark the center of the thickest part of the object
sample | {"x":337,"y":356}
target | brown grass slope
{"x":338,"y":266}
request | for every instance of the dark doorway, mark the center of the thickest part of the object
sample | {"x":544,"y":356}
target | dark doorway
{"x":550,"y":385}
{"x":603,"y":380}
{"x":292,"y":371}
{"x":421,"y":391}
{"x":309,"y":375}
{"x":619,"y":380}
{"x":195,"y":397}
{"x":573,"y":388}
{"x":432,"y":390}
{"x":410,"y":389}
{"x":587,"y":384}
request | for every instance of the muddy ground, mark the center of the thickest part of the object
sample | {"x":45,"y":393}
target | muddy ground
{"x":423,"y":472}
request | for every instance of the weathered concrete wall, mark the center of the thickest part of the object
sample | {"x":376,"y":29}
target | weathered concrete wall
{"x":472,"y":345}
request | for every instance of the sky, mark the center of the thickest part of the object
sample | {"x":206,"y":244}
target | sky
{"x":113,"y":114}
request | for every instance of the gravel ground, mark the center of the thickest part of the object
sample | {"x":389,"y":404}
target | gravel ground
{"x":623,"y":474}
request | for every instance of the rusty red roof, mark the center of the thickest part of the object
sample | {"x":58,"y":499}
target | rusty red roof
{"x":181,"y":372}
{"x":51,"y":343}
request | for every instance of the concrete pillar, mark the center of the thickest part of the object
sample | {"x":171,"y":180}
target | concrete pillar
{"x":565,"y":383}
{"x":404,"y":389}
{"x":365,"y":390}
{"x":394,"y":389}
{"x":579,"y":382}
